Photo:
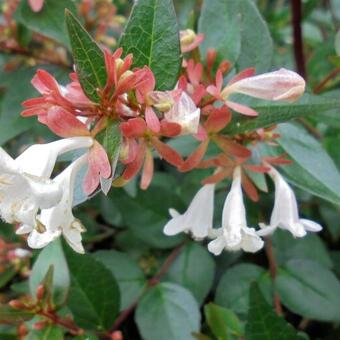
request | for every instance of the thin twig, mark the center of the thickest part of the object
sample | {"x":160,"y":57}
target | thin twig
{"x":318,"y":89}
{"x":273,"y":273}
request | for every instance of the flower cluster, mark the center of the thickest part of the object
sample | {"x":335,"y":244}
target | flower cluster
{"x":200,"y":105}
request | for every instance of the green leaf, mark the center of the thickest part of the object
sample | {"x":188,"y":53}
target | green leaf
{"x":309,"y":289}
{"x":264,"y":323}
{"x":313,"y":170}
{"x":256,"y":42}
{"x":88,"y":58}
{"x":9,"y":314}
{"x":167,"y":311}
{"x":94,"y":294}
{"x":220,"y":23}
{"x":271,"y":113}
{"x":49,"y":21}
{"x":150,"y":214}
{"x":151,"y":35}
{"x":232,"y":290}
{"x":222,"y":322}
{"x":129,"y":276}
{"x":238,"y":33}
{"x":48,"y":332}
{"x":7,"y":275}
{"x":51,"y":255}
{"x":311,"y":247}
{"x":193,"y":269}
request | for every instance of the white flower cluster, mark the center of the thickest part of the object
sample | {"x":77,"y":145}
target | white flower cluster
{"x":40,"y":205}
{"x":234,"y":233}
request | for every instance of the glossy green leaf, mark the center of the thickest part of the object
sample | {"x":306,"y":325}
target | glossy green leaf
{"x":232,"y":290}
{"x":88,"y":58}
{"x":223,"y":323}
{"x":49,"y":21}
{"x":151,"y":35}
{"x":193,"y":269}
{"x":264,"y":323}
{"x":51,"y":255}
{"x":167,"y":311}
{"x":94,"y":294}
{"x":130,"y":278}
{"x":271,"y":113}
{"x":309,"y":289}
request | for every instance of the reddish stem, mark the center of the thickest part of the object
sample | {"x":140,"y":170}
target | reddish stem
{"x":273,"y":273}
{"x":318,"y":89}
{"x":296,"y":10}
{"x":68,"y":324}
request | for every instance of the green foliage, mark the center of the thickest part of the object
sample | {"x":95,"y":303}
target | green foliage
{"x":151,"y":35}
{"x":223,"y":323}
{"x":49,"y":21}
{"x":94,"y":297}
{"x":48,"y":332}
{"x":193,"y":269}
{"x":238,"y":33}
{"x":264,"y":323}
{"x":52,"y":255}
{"x":8,"y":314}
{"x":167,"y":311}
{"x":129,"y":276}
{"x":88,"y":58}
{"x":309,"y":289}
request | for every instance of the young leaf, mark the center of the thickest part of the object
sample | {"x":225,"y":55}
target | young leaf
{"x":129,"y":276}
{"x":94,"y":294}
{"x":167,"y":311}
{"x":273,"y":113}
{"x":223,"y":322}
{"x":49,"y":21}
{"x":193,"y":269}
{"x":309,"y":289}
{"x":49,"y":332}
{"x":151,"y":35}
{"x":263,"y":323}
{"x":88,"y":58}
{"x":313,"y":170}
{"x":51,"y":255}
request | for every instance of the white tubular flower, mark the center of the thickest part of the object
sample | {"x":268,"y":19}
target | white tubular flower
{"x":282,"y":85}
{"x":234,"y":234}
{"x":285,"y":213}
{"x":25,"y":186}
{"x":198,"y":218}
{"x":185,"y":113}
{"x":59,"y":219}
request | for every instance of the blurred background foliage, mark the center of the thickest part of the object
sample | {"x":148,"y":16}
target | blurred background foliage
{"x":179,"y":286}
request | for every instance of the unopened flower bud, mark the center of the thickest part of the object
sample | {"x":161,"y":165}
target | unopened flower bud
{"x":39,"y":325}
{"x":40,"y":292}
{"x":16,"y":304}
{"x":118,"y":64}
{"x":187,"y":37}
{"x":125,"y":75}
{"x":162,"y":101}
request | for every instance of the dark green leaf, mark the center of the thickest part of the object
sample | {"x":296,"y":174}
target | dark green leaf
{"x":167,"y":311}
{"x":264,"y":323}
{"x":274,"y":113}
{"x":151,"y":35}
{"x":193,"y":269}
{"x":88,"y":58}
{"x":129,"y":276}
{"x":94,"y":294}
{"x":51,"y":255}
{"x":309,"y":289}
{"x":7,"y":275}
{"x":49,"y":21}
{"x":311,"y":247}
{"x":222,"y":322}
{"x":232,"y":290}
{"x":8,"y":314}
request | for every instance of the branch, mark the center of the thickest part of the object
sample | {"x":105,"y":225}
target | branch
{"x":296,"y":10}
